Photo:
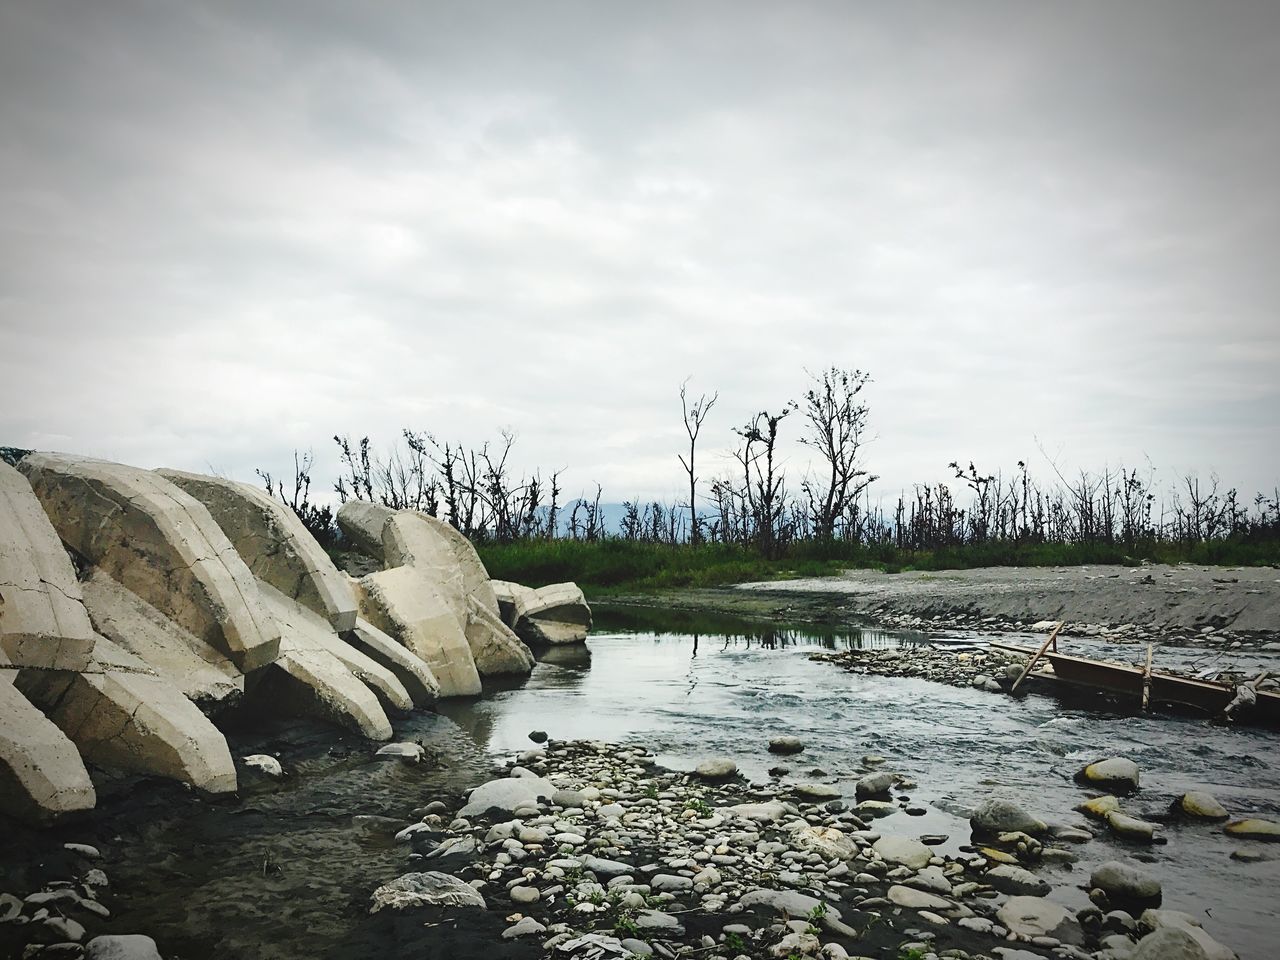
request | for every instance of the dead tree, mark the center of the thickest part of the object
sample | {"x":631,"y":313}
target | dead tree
{"x":837,"y":421}
{"x":693,"y":415}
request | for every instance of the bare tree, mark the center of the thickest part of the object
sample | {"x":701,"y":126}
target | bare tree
{"x":837,"y":421}
{"x":694,"y":414}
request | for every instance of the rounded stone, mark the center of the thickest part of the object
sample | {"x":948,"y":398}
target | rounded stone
{"x":786,"y":745}
{"x":1125,"y":883}
{"x":1254,"y":829}
{"x":1115,"y":773}
{"x":718,"y":768}
{"x":996,"y":816}
{"x":1201,"y":806}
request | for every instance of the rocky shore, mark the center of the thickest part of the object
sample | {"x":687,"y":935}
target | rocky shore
{"x":590,"y":849}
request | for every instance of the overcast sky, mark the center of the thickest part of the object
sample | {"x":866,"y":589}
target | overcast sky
{"x":232,"y":229}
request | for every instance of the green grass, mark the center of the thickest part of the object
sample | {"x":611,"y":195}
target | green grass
{"x":610,"y":566}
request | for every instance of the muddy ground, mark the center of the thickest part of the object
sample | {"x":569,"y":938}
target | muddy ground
{"x":1170,"y":604}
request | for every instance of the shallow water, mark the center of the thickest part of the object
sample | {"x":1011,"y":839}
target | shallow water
{"x":286,"y":871}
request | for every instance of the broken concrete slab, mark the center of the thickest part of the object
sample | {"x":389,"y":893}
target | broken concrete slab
{"x":275,"y":544}
{"x":496,"y":648}
{"x":409,"y":540}
{"x":475,"y":578}
{"x":162,"y":544}
{"x":315,"y":683}
{"x":206,"y":676}
{"x":554,"y":614}
{"x":121,"y":715}
{"x":511,"y":598}
{"x":42,"y":776}
{"x":411,"y":670}
{"x":405,"y":603}
{"x":303,"y":629}
{"x":361,"y":524}
{"x":42,"y":617}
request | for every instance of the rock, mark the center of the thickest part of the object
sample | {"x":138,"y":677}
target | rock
{"x":496,"y":648}
{"x":768,"y":812}
{"x":429,"y":889}
{"x":405,"y":604}
{"x":507,"y":795}
{"x":553,"y":614}
{"x":411,"y":670}
{"x":790,"y":903}
{"x":658,"y":923}
{"x":122,"y":716}
{"x":131,"y":946}
{"x":995,"y":816}
{"x":874,"y":785}
{"x":42,"y":776}
{"x":569,"y":799}
{"x":816,"y":791}
{"x":43,"y":622}
{"x":828,"y":841}
{"x":1200,"y":806}
{"x":1116,"y":774}
{"x":205,"y":675}
{"x":719,"y":768}
{"x":796,"y":945}
{"x":669,"y":882}
{"x":901,"y":850}
{"x":786,"y":745}
{"x":917,"y":899}
{"x":1125,"y":884}
{"x":408,"y":752}
{"x":525,"y":894}
{"x":1008,"y":878}
{"x":605,"y":868}
{"x":160,"y":543}
{"x":263,"y":763}
{"x":1254,"y":829}
{"x":1099,"y":808}
{"x":1038,"y":917}
{"x":525,"y":927}
{"x":1130,"y":828}
{"x":1168,"y":943}
{"x":538,"y":736}
{"x":1156,"y":920}
{"x":272,"y":540}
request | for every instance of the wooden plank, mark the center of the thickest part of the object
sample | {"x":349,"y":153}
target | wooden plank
{"x":1052,"y":638}
{"x":1146,"y":681}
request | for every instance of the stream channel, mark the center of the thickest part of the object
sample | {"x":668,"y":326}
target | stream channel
{"x":285,"y":871}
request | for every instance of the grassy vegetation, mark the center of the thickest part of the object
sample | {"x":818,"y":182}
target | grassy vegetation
{"x":605,"y":566}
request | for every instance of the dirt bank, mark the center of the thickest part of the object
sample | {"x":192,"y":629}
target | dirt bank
{"x":1170,"y":604}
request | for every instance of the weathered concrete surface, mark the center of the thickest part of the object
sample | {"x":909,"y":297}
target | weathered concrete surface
{"x":41,"y":774}
{"x":410,"y":669}
{"x":205,"y":675}
{"x":162,"y":544}
{"x":274,"y":543}
{"x":361,"y":523}
{"x":475,"y":578}
{"x":556,"y":613}
{"x":121,"y":715}
{"x":496,"y":648}
{"x":315,"y":683}
{"x":42,"y":617}
{"x":408,"y":540}
{"x":303,"y":629}
{"x":405,"y":603}
{"x":511,"y":597}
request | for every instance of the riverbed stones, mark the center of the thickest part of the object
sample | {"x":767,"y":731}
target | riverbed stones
{"x":915,"y":899}
{"x":1099,"y":808}
{"x":426,"y":889}
{"x":1200,"y":805}
{"x":42,"y":777}
{"x":275,"y":544}
{"x":507,"y":795}
{"x":1254,"y":829}
{"x":1168,"y":943}
{"x":1009,"y":878}
{"x":786,"y":745}
{"x":830,"y":842}
{"x":996,"y":815}
{"x":904,"y":851}
{"x":405,"y":604}
{"x":264,"y":764}
{"x":1037,"y":917}
{"x":43,"y":622}
{"x":874,"y":785}
{"x":1156,"y":920}
{"x":1116,"y":774}
{"x":769,"y":811}
{"x":1131,"y":828}
{"x":1125,"y":884}
{"x":405,"y":751}
{"x":128,"y":946}
{"x":816,"y":791}
{"x":716,"y":768}
{"x":790,"y":903}
{"x":162,"y":544}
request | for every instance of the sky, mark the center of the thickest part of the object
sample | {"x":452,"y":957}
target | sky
{"x":1048,"y":231}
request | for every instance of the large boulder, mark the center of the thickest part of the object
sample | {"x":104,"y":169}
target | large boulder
{"x":205,"y":676}
{"x":506,"y":795}
{"x":405,"y":603}
{"x":903,"y":851}
{"x":995,"y":816}
{"x":1168,"y":943}
{"x":41,"y":774}
{"x":121,"y":715}
{"x":160,"y":543}
{"x":277,"y":547}
{"x":42,"y":618}
{"x":1125,"y":884}
{"x":428,"y":889}
{"x":1038,"y":917}
{"x":1157,"y":920}
{"x":1116,"y":775}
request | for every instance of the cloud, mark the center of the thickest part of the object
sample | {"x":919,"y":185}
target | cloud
{"x":234,"y":230}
